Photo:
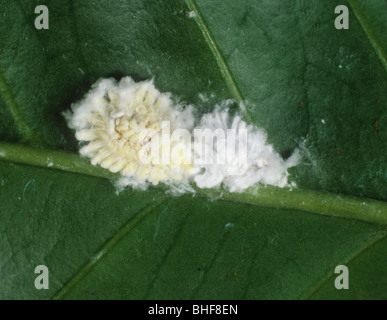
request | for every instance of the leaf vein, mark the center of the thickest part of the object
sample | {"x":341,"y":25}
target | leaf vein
{"x":370,"y":35}
{"x":107,"y":247}
{"x":380,"y":236}
{"x":224,"y":68}
{"x":10,"y":102}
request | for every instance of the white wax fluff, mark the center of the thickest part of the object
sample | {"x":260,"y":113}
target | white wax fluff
{"x":111,"y":119}
{"x":263,"y":164}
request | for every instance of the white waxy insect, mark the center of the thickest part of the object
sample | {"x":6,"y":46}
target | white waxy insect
{"x":111,"y":117}
{"x":121,"y":124}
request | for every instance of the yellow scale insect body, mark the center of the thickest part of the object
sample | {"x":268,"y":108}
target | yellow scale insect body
{"x":111,"y":119}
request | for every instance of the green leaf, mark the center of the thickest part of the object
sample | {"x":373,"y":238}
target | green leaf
{"x":305,"y":82}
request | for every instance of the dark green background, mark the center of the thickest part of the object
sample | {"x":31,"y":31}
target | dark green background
{"x":293,"y":68}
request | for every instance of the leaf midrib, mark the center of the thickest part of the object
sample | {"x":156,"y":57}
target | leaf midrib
{"x":282,"y":198}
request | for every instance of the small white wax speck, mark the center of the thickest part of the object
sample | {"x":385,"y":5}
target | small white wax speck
{"x":50,"y":164}
{"x":229,"y":225}
{"x":202,"y":97}
{"x":340,"y":66}
{"x":98,"y":255}
{"x":322,"y":121}
{"x":192,"y":14}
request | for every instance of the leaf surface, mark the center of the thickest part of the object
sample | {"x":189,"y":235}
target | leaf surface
{"x":306,"y":83}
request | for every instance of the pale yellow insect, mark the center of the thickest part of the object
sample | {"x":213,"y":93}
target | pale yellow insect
{"x":117,"y":121}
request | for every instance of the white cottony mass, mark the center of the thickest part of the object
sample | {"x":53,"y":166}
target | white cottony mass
{"x":131,"y":128}
{"x":254,"y":160}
